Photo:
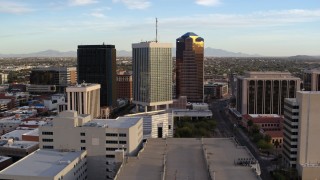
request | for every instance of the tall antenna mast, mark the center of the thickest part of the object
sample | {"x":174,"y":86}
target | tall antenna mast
{"x":156,"y":30}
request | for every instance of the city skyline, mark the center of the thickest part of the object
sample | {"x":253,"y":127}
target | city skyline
{"x":268,"y":28}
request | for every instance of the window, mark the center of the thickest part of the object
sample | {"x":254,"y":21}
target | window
{"x":110,"y":156}
{"x":111,"y":142}
{"x":111,"y":149}
{"x":122,"y":142}
{"x":47,"y":133}
{"x":83,"y":148}
{"x":83,"y":141}
{"x":122,"y":135}
{"x":47,"y":140}
{"x":47,"y":147}
{"x":82,"y":134}
{"x":169,"y":126}
{"x":112,"y":134}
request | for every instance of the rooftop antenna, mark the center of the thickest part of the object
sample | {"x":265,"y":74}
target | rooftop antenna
{"x":156,"y":30}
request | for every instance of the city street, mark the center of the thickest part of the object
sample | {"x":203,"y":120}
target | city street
{"x":227,"y":128}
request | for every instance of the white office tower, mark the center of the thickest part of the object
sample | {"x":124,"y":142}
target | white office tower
{"x":84,"y":98}
{"x":152,"y":74}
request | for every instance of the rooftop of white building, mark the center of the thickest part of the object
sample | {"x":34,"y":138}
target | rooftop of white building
{"x":121,"y":122}
{"x":18,"y":144}
{"x":191,"y":113}
{"x":16,"y":134}
{"x":42,"y":163}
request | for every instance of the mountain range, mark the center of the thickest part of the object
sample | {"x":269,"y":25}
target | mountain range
{"x":122,"y":53}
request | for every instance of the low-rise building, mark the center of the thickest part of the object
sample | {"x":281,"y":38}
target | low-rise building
{"x":17,"y":149}
{"x":156,"y":124}
{"x":266,"y":122}
{"x":49,"y":165}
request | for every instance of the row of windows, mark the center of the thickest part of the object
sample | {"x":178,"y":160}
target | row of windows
{"x":47,"y":140}
{"x":116,"y":135}
{"x":47,"y":133}
{"x":116,"y":142}
{"x":47,"y":147}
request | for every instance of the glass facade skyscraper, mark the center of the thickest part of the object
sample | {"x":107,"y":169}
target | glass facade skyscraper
{"x":189,"y":67}
{"x":97,"y":64}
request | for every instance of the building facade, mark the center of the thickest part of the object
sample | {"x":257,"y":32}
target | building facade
{"x":85,"y":99}
{"x":215,"y":90}
{"x":97,"y":64}
{"x":311,"y":80}
{"x":264,"y":92}
{"x":101,"y":138}
{"x":152,"y":74}
{"x":53,"y":79}
{"x":156,"y":124}
{"x":3,"y":78}
{"x":308,"y":156}
{"x":290,"y":132}
{"x":124,"y":86}
{"x":189,"y":67}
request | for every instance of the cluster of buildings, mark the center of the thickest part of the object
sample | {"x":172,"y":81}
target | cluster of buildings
{"x":287,"y":109}
{"x":81,"y":141}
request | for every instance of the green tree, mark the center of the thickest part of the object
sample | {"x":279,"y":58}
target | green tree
{"x":267,"y":138}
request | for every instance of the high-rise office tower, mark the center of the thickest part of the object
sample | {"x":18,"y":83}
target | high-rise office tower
{"x":85,"y":99}
{"x":264,"y":92}
{"x":311,"y":80}
{"x":306,"y":143}
{"x":152,"y":74}
{"x":189,"y":67}
{"x":97,"y":64}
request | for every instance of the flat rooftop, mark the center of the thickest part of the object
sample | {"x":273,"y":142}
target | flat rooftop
{"x":43,"y":163}
{"x":19,"y":144}
{"x":191,"y":113}
{"x":16,"y":134}
{"x":185,"y":160}
{"x":121,"y":122}
{"x":4,"y":158}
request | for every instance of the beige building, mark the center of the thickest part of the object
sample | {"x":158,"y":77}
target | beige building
{"x":3,"y":78}
{"x":264,"y":92}
{"x":84,"y":98}
{"x":311,"y":80}
{"x":152,"y":74}
{"x":308,"y":156}
{"x":99,"y":137}
{"x":48,"y":165}
{"x":156,"y":124}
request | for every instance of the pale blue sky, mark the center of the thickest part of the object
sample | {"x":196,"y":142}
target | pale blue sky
{"x":266,"y":27}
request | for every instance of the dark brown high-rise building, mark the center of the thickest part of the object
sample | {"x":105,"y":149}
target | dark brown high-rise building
{"x":189,"y":67}
{"x":97,"y":64}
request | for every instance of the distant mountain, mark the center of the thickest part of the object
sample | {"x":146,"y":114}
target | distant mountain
{"x":304,"y":57}
{"x":123,"y":53}
{"x":47,"y":53}
{"x":223,"y":53}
